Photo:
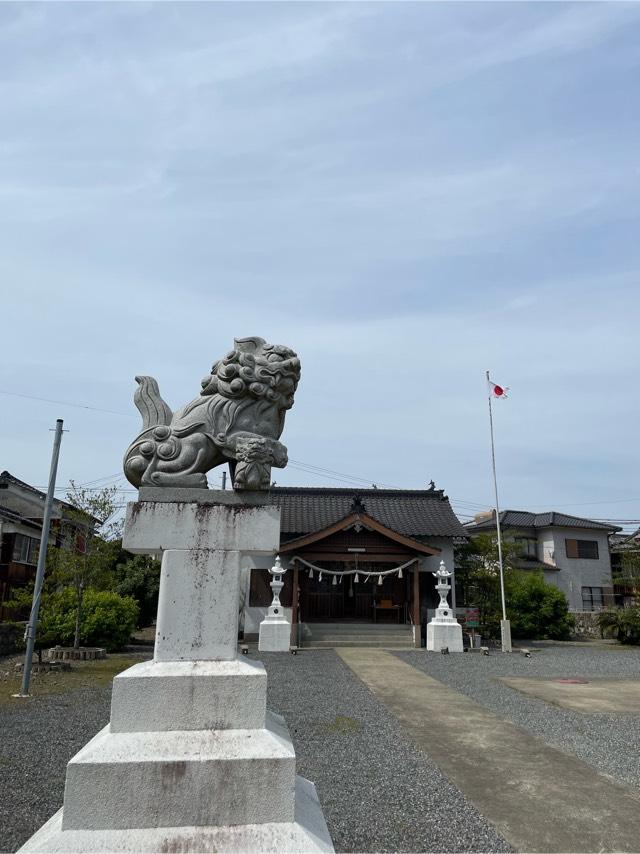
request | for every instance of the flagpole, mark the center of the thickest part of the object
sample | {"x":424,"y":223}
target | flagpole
{"x":505,"y":626}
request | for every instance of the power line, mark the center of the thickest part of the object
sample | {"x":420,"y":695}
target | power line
{"x":67,"y":403}
{"x":325,"y":472}
{"x":318,"y":471}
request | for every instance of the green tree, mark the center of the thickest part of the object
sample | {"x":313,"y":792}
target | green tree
{"x":139,"y":578}
{"x":628,"y":573}
{"x":85,"y":559}
{"x":536,"y":609}
{"x":478,"y":578}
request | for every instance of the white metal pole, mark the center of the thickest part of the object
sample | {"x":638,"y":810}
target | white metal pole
{"x":32,"y":625}
{"x":505,"y":626}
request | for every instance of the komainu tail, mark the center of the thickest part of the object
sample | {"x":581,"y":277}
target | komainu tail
{"x":150,"y":405}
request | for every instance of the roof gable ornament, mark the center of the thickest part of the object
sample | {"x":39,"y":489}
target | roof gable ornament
{"x":357,"y":505}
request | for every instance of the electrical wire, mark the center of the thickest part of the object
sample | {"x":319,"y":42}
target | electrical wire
{"x":318,"y":471}
{"x":67,"y":403}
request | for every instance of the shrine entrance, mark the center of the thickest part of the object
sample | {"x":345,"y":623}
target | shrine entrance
{"x":364,"y":600}
{"x":356,"y":570}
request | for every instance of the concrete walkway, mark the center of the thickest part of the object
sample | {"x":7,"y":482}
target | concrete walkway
{"x":537,"y":797}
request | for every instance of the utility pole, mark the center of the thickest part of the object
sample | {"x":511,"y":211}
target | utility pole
{"x":224,"y":480}
{"x":32,"y":625}
{"x":505,"y":625}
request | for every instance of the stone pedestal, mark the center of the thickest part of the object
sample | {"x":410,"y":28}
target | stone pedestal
{"x":275,"y":636}
{"x":191,"y":760}
{"x":444,"y":634}
{"x":444,"y":631}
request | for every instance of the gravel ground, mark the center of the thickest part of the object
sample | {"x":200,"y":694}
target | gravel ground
{"x":609,"y":742}
{"x":37,"y":741}
{"x":378,"y":791}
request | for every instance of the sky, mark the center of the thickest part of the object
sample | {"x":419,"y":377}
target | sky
{"x":407,"y":194}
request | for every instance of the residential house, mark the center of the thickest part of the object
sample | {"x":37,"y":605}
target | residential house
{"x":625,"y":567}
{"x":572,"y":552}
{"x":21,"y":512}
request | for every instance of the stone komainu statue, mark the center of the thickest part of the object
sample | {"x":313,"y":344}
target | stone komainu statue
{"x":237,"y":419}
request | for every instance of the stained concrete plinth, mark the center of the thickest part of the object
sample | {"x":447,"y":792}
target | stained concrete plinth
{"x":195,"y":584}
{"x":307,"y":833}
{"x":444,"y":634}
{"x":183,"y":695}
{"x":199,"y":777}
{"x":275,"y":635}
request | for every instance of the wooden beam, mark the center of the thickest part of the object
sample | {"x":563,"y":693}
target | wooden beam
{"x":345,"y":557}
{"x":416,"y":597}
{"x":293,"y":640}
{"x":367,"y":522}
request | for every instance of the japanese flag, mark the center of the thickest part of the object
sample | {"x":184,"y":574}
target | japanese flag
{"x":496,"y":390}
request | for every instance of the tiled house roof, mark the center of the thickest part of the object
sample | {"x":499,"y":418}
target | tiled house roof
{"x":414,"y":513}
{"x":525,"y":519}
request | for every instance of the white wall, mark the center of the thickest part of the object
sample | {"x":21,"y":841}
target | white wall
{"x":576,"y":573}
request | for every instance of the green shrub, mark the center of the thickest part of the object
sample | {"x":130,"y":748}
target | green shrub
{"x":537,"y":610}
{"x":621,"y":623}
{"x":107,"y":619}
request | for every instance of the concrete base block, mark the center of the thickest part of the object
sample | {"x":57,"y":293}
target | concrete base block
{"x":440,"y":635}
{"x":307,"y":833}
{"x":189,"y":695}
{"x":275,"y":635}
{"x":197,"y":777}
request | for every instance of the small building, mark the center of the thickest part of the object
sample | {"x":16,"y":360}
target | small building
{"x":21,"y":513}
{"x":363,"y":557}
{"x":572,"y":552}
{"x":625,"y":568}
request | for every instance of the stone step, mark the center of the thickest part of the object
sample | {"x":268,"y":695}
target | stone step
{"x":358,"y":626}
{"x":329,"y":644}
{"x":373,"y":638}
{"x":182,"y":778}
{"x":156,"y":696}
{"x":345,"y":632}
{"x":307,"y":833}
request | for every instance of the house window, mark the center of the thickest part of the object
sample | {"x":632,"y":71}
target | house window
{"x":528,"y":547}
{"x":25,"y":550}
{"x":592,"y":598}
{"x":586,"y":549}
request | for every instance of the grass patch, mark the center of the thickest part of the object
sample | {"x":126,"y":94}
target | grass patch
{"x":85,"y":674}
{"x":342,"y":724}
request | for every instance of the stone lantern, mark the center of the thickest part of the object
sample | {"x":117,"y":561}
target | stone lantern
{"x":444,"y":631}
{"x":275,"y":629}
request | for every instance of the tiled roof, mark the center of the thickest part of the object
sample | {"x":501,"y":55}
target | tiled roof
{"x":625,"y":542}
{"x":414,"y":513}
{"x":525,"y":519}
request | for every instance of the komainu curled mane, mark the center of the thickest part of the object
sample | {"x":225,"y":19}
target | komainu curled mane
{"x":237,"y":419}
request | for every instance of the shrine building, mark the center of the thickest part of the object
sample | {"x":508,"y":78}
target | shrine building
{"x":355,"y":557}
